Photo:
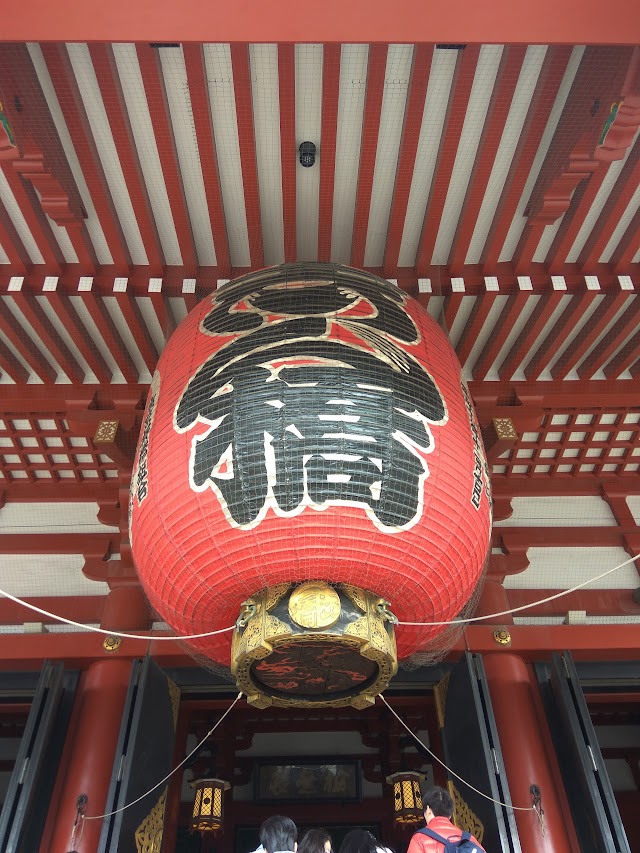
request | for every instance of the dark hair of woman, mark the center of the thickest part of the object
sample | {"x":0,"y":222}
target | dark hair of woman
{"x":314,"y":841}
{"x":358,"y":841}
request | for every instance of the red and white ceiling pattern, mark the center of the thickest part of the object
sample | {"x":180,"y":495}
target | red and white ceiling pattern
{"x":428,"y":155}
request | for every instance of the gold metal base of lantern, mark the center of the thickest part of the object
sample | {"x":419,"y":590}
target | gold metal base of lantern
{"x":314,"y":645}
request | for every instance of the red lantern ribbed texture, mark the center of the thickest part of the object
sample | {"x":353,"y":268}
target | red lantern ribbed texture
{"x":308,"y":422}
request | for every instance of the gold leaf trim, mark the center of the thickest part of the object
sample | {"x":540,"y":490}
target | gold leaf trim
{"x":149,"y":834}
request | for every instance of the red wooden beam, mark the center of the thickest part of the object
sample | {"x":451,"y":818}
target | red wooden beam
{"x":574,"y":219}
{"x":12,"y":245}
{"x":551,"y":74}
{"x":158,"y":110}
{"x":536,"y":642}
{"x":246,"y":138}
{"x":70,"y":101}
{"x":513,"y":308}
{"x":39,"y":229}
{"x":80,"y":608}
{"x":458,"y":103}
{"x":201,"y":109}
{"x":288,"y":153}
{"x":540,"y":487}
{"x":625,"y":360}
{"x":60,"y":543}
{"x":594,"y":327}
{"x":571,"y":316}
{"x":616,"y":205}
{"x":79,"y":336}
{"x":368,"y":148}
{"x":101,"y":317}
{"x":138,"y":329}
{"x":420,"y":71}
{"x":109,"y":82}
{"x":10,"y":365}
{"x":25,"y":347}
{"x":573,"y":21}
{"x":52,"y":341}
{"x":608,"y":347}
{"x":497,"y":113}
{"x":530,"y":334}
{"x":518,"y":538}
{"x":327,"y":160}
{"x":479,"y":313}
{"x":88,"y":491}
{"x":628,"y":247}
{"x":527,"y":245}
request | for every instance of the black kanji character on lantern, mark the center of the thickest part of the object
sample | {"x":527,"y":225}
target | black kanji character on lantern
{"x":298,"y":419}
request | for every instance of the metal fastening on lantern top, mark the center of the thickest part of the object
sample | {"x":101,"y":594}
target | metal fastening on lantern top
{"x":407,"y":797}
{"x":208,"y":804}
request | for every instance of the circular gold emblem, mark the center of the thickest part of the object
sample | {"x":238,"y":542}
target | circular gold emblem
{"x":502,"y":636}
{"x":111,"y":643}
{"x":314,"y":605}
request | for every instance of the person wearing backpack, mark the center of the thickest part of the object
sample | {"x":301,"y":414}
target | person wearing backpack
{"x":441,"y":835}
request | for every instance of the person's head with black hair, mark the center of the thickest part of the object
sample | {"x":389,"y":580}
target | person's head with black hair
{"x":358,"y":841}
{"x":315,"y":841}
{"x":437,"y":803}
{"x":279,"y":833}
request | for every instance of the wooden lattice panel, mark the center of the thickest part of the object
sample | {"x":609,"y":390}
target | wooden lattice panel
{"x":574,"y":444}
{"x":43,"y":448}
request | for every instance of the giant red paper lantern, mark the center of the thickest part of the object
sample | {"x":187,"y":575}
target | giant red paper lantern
{"x":308,"y":423}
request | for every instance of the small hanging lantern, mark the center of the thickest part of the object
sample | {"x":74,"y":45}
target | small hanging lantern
{"x":407,"y":797}
{"x":208,"y":804}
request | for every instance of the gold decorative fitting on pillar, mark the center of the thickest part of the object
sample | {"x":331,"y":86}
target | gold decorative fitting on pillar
{"x":502,"y":636}
{"x":111,"y":643}
{"x":313,"y":645}
{"x":208,"y":804}
{"x":407,"y":797}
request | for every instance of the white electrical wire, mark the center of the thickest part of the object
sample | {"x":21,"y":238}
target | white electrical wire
{"x":449,"y":770}
{"x":523,"y":606}
{"x":170,"y":774}
{"x":173,"y":638}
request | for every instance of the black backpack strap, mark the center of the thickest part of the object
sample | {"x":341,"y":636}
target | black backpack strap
{"x":431,"y":834}
{"x":466,"y":836}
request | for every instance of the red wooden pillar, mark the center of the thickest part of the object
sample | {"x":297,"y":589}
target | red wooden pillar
{"x":87,"y":761}
{"x":528,"y":757}
{"x":494,"y":599}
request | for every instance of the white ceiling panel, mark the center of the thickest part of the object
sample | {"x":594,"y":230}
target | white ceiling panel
{"x":147,"y":149}
{"x":481,"y":91}
{"x":394,"y":102}
{"x":106,"y":148}
{"x":265,"y":92}
{"x":351,"y":98}
{"x":222,"y":103}
{"x":518,"y":112}
{"x":436,"y":103}
{"x":184,"y":132}
{"x":519,"y":220}
{"x":309,"y":59}
{"x":91,"y":221}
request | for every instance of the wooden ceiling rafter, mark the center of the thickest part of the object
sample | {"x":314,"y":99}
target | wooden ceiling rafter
{"x":501,"y":99}
{"x":466,"y":67}
{"x":70,"y":100}
{"x":414,"y":111}
{"x":241,"y":68}
{"x":119,"y":125}
{"x":376,"y":68}
{"x":198,"y":92}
